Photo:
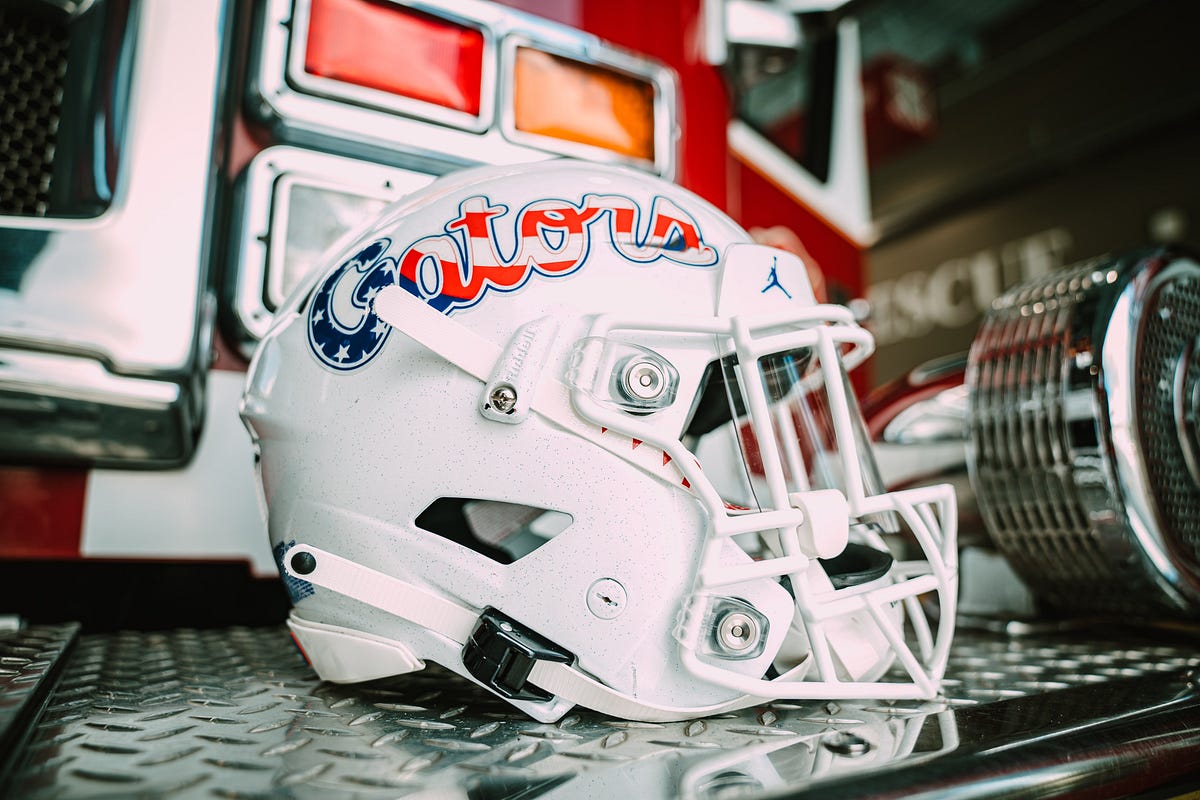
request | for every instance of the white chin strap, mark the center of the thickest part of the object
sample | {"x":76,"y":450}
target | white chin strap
{"x":455,"y":622}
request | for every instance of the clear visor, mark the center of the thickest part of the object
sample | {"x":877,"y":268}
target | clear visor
{"x":817,"y":436}
{"x":763,"y":427}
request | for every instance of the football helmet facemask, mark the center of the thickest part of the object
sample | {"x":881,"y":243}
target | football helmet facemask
{"x":565,"y":430}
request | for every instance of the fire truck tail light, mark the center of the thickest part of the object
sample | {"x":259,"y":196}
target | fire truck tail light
{"x":585,"y":103}
{"x":389,"y":48}
{"x":310,"y":218}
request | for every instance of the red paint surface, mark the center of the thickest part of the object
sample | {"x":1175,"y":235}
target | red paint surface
{"x":884,"y":404}
{"x":673,"y":32}
{"x":758,"y":202}
{"x":246,"y":140}
{"x":41,"y":512}
{"x":396,"y":50}
{"x":225,"y":356}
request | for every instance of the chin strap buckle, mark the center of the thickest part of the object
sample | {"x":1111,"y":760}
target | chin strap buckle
{"x":501,"y":652}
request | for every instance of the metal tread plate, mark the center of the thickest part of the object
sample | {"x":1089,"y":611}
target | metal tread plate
{"x":237,"y":713}
{"x":30,"y":660}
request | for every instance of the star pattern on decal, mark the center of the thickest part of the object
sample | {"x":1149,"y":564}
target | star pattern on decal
{"x":343,"y":330}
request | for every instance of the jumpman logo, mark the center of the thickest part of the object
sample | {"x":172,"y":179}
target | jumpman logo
{"x":773,"y":280}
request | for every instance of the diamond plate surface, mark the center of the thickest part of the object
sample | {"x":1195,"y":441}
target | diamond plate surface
{"x":236,"y":713}
{"x":29,"y":659}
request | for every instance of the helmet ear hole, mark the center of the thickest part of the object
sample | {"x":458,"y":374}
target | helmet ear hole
{"x":503,"y":532}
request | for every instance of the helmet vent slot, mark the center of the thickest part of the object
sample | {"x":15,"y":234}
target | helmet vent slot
{"x":504,"y":532}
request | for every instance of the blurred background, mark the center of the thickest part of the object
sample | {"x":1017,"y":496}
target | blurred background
{"x":170,"y":170}
{"x":1015,"y":138}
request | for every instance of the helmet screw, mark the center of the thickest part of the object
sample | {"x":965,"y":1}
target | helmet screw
{"x":644,"y":379}
{"x":606,"y":598}
{"x":737,"y":631}
{"x":303,"y":563}
{"x":504,"y":398}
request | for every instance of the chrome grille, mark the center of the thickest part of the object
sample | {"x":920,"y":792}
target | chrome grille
{"x":1162,"y":382}
{"x":33,"y":63}
{"x":1019,"y":432}
{"x":1056,"y":499}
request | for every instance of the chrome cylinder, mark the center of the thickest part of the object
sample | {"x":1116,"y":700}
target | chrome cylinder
{"x":1084,"y":392}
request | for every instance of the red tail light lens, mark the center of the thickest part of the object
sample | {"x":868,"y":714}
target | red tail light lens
{"x":389,"y":48}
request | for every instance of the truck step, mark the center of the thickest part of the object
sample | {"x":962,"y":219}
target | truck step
{"x":237,"y":712}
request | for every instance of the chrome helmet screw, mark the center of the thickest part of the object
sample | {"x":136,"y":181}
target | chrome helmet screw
{"x":504,"y":398}
{"x":737,"y":632}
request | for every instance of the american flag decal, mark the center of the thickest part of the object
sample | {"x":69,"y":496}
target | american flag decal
{"x":476,"y":255}
{"x":343,"y":330}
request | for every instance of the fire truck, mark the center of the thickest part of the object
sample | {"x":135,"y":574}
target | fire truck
{"x":215,"y":171}
{"x":173,"y":170}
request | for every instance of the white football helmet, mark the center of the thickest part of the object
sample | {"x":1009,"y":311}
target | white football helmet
{"x":565,"y":430}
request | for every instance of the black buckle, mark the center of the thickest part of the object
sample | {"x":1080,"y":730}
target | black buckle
{"x":501,"y":653}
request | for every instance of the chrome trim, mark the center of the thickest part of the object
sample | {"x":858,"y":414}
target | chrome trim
{"x":84,"y":114}
{"x":69,"y":6}
{"x":207,"y":510}
{"x":844,"y":198}
{"x":72,"y":409}
{"x":1187,"y":409}
{"x":258,"y":285}
{"x":591,"y":51}
{"x":365,"y":126}
{"x":58,"y":376}
{"x":300,"y":118}
{"x":305,"y":81}
{"x":124,"y":290}
{"x":748,"y":22}
{"x":1060,"y":460}
{"x":941,"y":418}
{"x":1120,"y":351}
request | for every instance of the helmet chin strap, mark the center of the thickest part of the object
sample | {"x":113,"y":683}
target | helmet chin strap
{"x":456,"y":622}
